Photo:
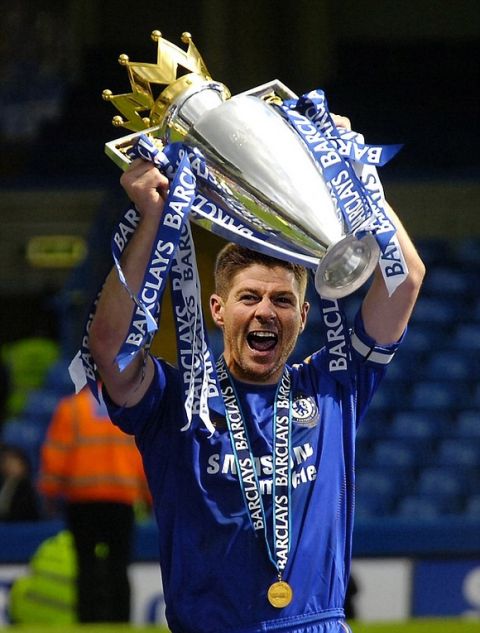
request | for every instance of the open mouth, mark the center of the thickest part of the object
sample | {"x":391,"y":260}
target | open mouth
{"x":262,"y":341}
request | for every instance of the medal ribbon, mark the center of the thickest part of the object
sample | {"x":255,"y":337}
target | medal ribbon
{"x":247,"y":475}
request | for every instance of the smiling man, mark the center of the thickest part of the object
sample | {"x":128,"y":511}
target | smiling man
{"x":260,"y":305}
{"x":255,"y":518}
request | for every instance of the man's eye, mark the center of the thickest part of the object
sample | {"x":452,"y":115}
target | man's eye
{"x":248,"y":297}
{"x":285,"y":300}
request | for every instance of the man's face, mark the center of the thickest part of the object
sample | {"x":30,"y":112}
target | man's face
{"x":261,"y":319}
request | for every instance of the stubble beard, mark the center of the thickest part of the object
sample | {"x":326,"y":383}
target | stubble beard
{"x":245,"y":371}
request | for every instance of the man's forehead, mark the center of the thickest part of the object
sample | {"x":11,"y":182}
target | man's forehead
{"x":258,"y":275}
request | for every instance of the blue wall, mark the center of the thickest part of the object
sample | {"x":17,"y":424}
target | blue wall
{"x":443,"y":538}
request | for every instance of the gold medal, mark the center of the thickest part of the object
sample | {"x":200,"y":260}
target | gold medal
{"x":280,"y":594}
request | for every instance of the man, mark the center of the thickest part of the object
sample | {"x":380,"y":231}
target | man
{"x":18,"y":496}
{"x":96,"y":471}
{"x":229,"y":560}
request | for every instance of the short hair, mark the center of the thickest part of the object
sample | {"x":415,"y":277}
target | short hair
{"x":233,"y":258}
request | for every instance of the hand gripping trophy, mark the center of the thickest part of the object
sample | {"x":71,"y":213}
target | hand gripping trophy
{"x":281,"y":178}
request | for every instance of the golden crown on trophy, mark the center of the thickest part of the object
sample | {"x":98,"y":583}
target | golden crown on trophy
{"x":176,"y":71}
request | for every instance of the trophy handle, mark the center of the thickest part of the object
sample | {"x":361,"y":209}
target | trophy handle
{"x":117,"y":149}
{"x":271,"y":90}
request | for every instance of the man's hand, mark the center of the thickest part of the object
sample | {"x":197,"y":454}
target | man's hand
{"x":341,"y":121}
{"x":146,"y":187}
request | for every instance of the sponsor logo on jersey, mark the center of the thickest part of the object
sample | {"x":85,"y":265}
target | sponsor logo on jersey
{"x":222,"y":464}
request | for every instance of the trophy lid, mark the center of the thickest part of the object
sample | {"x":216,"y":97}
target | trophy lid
{"x":176,"y":72}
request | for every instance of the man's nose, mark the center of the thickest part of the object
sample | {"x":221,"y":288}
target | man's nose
{"x":265,"y":310}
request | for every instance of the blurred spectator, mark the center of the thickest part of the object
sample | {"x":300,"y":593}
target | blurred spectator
{"x":95,"y":470}
{"x":352,"y":591}
{"x":46,"y":594}
{"x":18,"y":496}
{"x":28,"y":361}
{"x":4,"y":390}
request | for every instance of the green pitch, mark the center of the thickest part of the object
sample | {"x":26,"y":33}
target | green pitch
{"x":420,"y":626}
{"x":411,"y":626}
{"x":85,"y":628}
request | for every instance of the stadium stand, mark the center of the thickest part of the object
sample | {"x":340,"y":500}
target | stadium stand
{"x":432,"y":431}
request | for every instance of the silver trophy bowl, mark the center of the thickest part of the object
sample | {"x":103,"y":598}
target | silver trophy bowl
{"x":272,"y":183}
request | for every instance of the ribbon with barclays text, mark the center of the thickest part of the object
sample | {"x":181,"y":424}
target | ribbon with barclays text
{"x":171,"y":244}
{"x":349,"y":169}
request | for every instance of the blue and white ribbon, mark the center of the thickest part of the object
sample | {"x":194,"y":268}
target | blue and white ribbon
{"x":337,"y":340}
{"x":278,"y":545}
{"x":348,"y":166}
{"x":195,"y":359}
{"x":147,"y":301}
{"x":171,"y":241}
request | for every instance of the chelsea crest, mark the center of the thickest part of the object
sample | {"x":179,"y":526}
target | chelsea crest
{"x":305,"y":411}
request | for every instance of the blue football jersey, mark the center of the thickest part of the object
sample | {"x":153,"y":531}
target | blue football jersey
{"x":215,"y":571}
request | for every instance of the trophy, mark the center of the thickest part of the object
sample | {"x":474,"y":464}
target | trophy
{"x":266,"y":179}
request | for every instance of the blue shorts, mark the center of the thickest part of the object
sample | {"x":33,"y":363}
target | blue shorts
{"x":330,"y":621}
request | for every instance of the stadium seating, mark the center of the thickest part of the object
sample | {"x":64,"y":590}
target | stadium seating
{"x":433,"y":309}
{"x":394,"y":455}
{"x":467,"y":337}
{"x":447,"y":280}
{"x":40,"y":405}
{"x":465,"y":252}
{"x":458,"y":452}
{"x":430,"y":429}
{"x":472,"y":507}
{"x":58,"y":379}
{"x":451,"y":364}
{"x":445,"y":395}
{"x":467,"y":424}
{"x":421,"y":338}
{"x":419,"y":507}
{"x":417,"y":426}
{"x":441,"y":482}
{"x":27,"y":428}
{"x":370,"y":505}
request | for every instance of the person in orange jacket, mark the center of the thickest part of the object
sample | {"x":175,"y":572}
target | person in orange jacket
{"x":93,"y":472}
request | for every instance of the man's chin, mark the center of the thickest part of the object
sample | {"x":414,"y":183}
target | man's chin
{"x":261,"y":370}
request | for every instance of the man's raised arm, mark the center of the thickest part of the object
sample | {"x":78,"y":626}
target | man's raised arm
{"x":385,"y":318}
{"x":147,"y":189}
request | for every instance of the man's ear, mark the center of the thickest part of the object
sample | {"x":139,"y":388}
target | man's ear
{"x":304,"y":313}
{"x":216,"y":309}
